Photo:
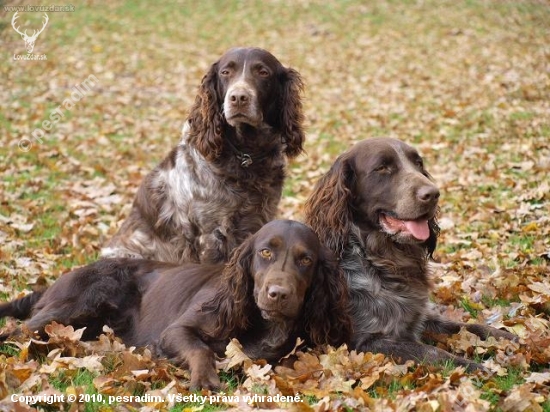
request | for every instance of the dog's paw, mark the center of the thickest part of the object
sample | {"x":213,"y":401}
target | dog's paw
{"x":484,"y":332}
{"x":213,"y":247}
{"x":503,"y":334}
{"x":205,"y":379}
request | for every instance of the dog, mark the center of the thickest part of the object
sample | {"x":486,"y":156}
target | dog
{"x":280,"y":284}
{"x":376,"y":210}
{"x":224,"y":179}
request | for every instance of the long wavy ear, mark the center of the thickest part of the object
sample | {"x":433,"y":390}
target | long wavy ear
{"x":431,"y":243}
{"x":292,"y":116}
{"x":326,"y":312}
{"x":206,"y":118}
{"x":234,"y":300}
{"x":328,"y":209}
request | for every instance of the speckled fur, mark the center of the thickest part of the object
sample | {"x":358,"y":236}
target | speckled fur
{"x":387,"y":272}
{"x":200,"y":202}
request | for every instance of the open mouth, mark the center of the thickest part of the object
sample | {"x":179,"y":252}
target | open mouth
{"x":417,"y":228}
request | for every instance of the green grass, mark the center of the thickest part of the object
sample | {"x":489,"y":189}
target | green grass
{"x":206,"y":408}
{"x":469,"y":307}
{"x":525,"y":243}
{"x":496,"y":301}
{"x":500,"y":384}
{"x":390,"y":389}
{"x":82,"y":379}
{"x":441,"y":75}
{"x":6,"y":348}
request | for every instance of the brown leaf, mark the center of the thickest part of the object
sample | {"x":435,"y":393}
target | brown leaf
{"x":235,"y":355}
{"x":522,"y":398}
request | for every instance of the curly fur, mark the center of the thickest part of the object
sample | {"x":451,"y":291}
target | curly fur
{"x":280,"y":284}
{"x":325,"y":304}
{"x":200,"y":202}
{"x":376,"y":209}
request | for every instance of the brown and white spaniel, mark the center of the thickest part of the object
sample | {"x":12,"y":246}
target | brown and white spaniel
{"x":224,"y":179}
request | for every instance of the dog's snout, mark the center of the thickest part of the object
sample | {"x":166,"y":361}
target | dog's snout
{"x":277,"y":293}
{"x":428,"y":194}
{"x":239,"y":97}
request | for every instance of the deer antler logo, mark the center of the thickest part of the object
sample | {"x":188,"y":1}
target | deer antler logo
{"x":29,"y":40}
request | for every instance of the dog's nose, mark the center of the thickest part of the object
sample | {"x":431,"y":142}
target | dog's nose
{"x":428,"y":194}
{"x":277,"y":293}
{"x":239,"y":97}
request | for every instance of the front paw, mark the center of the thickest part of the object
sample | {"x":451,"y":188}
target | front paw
{"x":205,"y":379}
{"x":499,"y":333}
{"x":213,"y":247}
{"x":484,"y":331}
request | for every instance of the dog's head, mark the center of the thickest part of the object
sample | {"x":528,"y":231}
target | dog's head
{"x":379,"y":184}
{"x":248,"y":87}
{"x":285,"y":272}
{"x":247,"y":82}
{"x":393,"y":191}
{"x":283,"y":266}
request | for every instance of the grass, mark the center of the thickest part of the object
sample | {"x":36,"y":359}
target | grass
{"x":83,"y":380}
{"x":500,"y":384}
{"x":441,"y":75}
{"x":6,"y":348}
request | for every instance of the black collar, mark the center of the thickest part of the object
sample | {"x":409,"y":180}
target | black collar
{"x":245,"y":158}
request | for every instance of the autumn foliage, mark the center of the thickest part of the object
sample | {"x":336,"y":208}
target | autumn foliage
{"x":466,"y":83}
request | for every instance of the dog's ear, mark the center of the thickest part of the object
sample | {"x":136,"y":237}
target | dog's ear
{"x":326,"y":313}
{"x":328,"y":209}
{"x":234,"y":301}
{"x":431,"y":243}
{"x":206,"y":118}
{"x":292,"y":115}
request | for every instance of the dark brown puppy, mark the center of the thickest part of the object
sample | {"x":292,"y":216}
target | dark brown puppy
{"x":224,"y":179}
{"x":281,"y":283}
{"x":376,"y":209}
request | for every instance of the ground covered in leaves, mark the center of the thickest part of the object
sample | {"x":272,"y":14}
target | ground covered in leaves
{"x":467,"y":83}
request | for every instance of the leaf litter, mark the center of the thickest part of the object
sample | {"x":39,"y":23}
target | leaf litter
{"x":467,"y":84}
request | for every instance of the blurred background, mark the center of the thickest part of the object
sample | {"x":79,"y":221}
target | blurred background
{"x":467,"y":83}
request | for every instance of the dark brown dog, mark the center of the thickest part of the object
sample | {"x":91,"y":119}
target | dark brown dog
{"x":280,"y":284}
{"x":376,"y":209}
{"x":224,"y":179}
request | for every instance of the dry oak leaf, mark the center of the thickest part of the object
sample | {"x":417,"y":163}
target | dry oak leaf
{"x":58,"y":333}
{"x":521,"y":398}
{"x":91,"y":363}
{"x":304,"y":377}
{"x":235,"y":356}
{"x":539,"y":378}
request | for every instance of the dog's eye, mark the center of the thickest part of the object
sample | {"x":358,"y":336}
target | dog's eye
{"x":266,"y":253}
{"x":225,"y":72}
{"x":263,"y":72}
{"x":418,"y":162}
{"x":383,"y":168}
{"x":305,"y":261}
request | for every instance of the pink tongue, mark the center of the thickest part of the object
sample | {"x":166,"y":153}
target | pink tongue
{"x":418,"y":228}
